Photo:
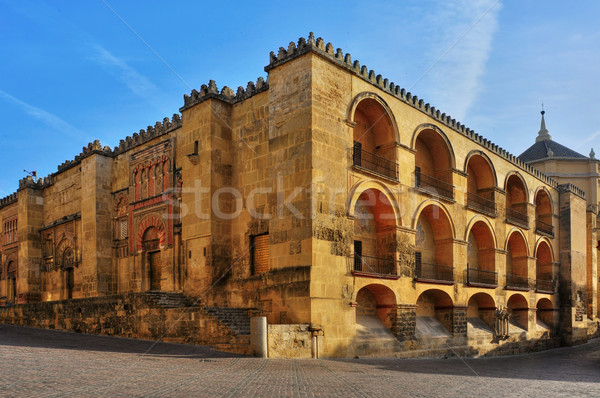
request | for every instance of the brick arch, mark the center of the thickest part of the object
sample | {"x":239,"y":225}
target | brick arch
{"x":373,"y":185}
{"x":541,"y":241}
{"x":487,"y":222}
{"x":519,"y":232}
{"x":367,"y":95}
{"x":151,"y":220}
{"x":442,"y":208}
{"x":477,"y":152}
{"x":517,"y":175}
{"x":432,"y":127}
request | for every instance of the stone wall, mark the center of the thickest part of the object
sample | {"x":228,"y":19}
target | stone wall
{"x":128,"y":315}
{"x":289,"y":341}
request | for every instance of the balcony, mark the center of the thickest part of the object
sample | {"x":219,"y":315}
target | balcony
{"x":481,"y":204}
{"x":373,"y":163}
{"x":517,"y":218}
{"x":433,"y":186}
{"x":544,"y":286}
{"x":480,"y":277}
{"x":367,"y":265}
{"x":436,"y":273}
{"x":544,"y":229}
{"x":517,"y":282}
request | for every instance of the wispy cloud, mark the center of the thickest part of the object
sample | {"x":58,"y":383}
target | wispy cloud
{"x":136,"y":82}
{"x":45,"y":117}
{"x":465,"y":30}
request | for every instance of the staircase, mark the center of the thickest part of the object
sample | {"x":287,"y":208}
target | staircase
{"x":236,"y":319}
{"x":170,"y":299}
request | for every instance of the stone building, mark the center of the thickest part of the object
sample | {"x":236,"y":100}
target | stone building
{"x":355,"y":217}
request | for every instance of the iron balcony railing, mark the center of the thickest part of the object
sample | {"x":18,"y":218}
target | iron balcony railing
{"x":516,"y":217}
{"x":433,"y":185}
{"x":544,"y":286}
{"x":432,"y":272}
{"x":481,"y":204}
{"x":517,"y":282}
{"x":374,"y":163}
{"x":544,"y":228}
{"x":481,"y":277}
{"x":374,"y":265}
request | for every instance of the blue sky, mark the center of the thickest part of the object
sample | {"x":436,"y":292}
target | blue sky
{"x":75,"y":71}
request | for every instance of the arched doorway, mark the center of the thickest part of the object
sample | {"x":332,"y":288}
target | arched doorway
{"x":481,"y":256}
{"x":11,"y":282}
{"x":69,"y":279}
{"x":151,"y":247}
{"x":374,"y":234}
{"x":519,"y":310}
{"x":434,"y":315}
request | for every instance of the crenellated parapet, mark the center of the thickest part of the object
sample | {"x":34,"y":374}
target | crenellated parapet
{"x":8,"y":200}
{"x":226,"y":94}
{"x":572,"y":188}
{"x":150,"y":133}
{"x":92,"y":148}
{"x":337,"y":56}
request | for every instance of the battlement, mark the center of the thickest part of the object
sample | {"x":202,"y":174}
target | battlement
{"x":573,"y":189}
{"x":338,"y":57}
{"x":226,"y":94}
{"x":149,"y":134}
{"x":8,"y":200}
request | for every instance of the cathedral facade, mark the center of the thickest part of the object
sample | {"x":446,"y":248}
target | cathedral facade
{"x":352,"y":215}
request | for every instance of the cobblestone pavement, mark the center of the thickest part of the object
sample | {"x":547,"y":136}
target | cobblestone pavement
{"x":43,"y":363}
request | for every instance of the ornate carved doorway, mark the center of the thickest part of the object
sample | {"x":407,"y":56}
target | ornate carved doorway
{"x":151,"y":246}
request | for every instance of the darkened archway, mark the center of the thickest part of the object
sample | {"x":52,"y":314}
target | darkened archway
{"x":545,"y":314}
{"x":517,"y":305}
{"x":11,"y":282}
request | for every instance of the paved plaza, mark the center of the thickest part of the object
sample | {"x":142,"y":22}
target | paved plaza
{"x":43,"y":363}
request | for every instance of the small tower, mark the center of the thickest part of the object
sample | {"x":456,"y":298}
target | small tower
{"x":543,"y":134}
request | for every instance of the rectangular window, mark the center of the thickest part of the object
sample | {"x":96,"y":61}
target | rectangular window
{"x":259,"y":250}
{"x":123,"y":229}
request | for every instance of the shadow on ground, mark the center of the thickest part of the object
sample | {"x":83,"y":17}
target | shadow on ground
{"x":32,"y":337}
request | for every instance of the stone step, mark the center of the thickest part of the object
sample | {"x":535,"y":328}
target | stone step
{"x":236,"y":319}
{"x":170,"y":299}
